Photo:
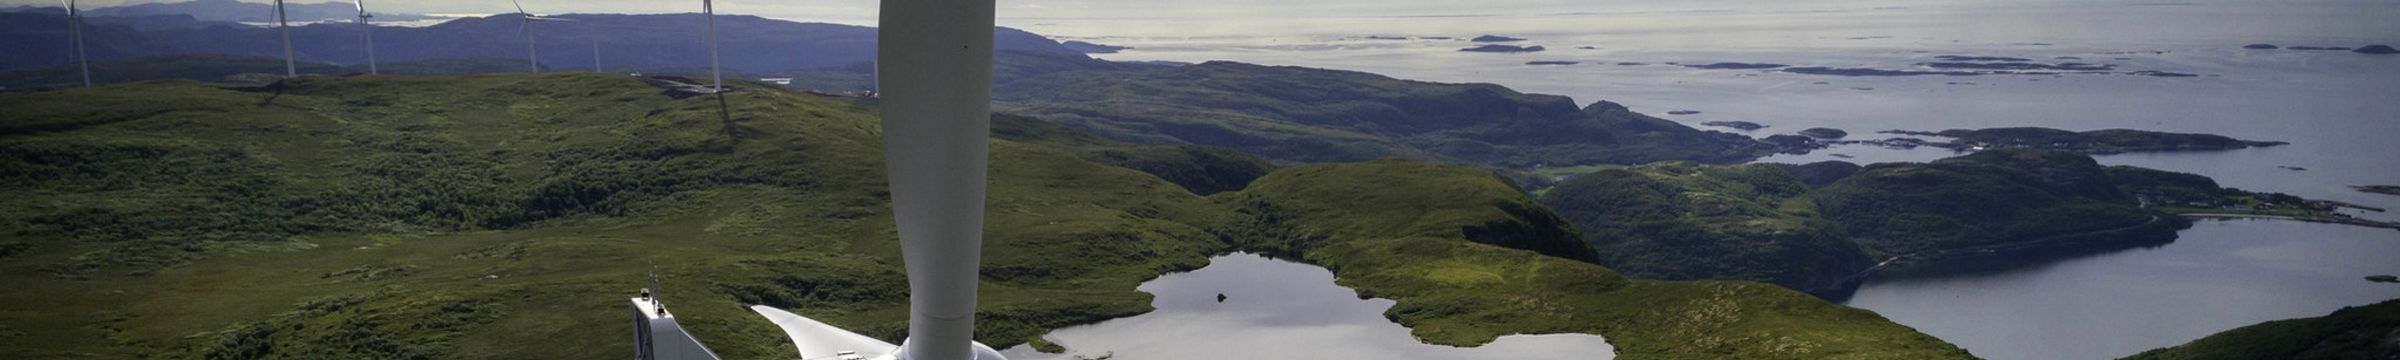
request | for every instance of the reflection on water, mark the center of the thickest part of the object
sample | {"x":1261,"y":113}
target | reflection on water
{"x":1280,"y":310}
{"x":2218,"y":276}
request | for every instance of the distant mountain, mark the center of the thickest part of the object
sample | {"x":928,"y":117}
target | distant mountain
{"x":234,"y":11}
{"x":1297,"y":114}
{"x":748,"y":43}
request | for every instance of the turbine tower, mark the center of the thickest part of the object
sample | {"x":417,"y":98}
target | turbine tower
{"x":935,"y":70}
{"x":75,"y":35}
{"x":533,"y":57}
{"x":367,"y":32}
{"x":708,"y":9}
{"x":290,"y":68}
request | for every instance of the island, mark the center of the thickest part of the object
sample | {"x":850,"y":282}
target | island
{"x":1553,"y":62}
{"x":1684,"y":112}
{"x":1981,"y":58}
{"x":2261,"y":47}
{"x":2111,"y":141}
{"x":2376,"y":50}
{"x":2384,"y":278}
{"x":1505,"y":49}
{"x":1825,"y":133}
{"x":2379,"y":189}
{"x":1743,"y":125}
{"x":1736,"y":66}
{"x":1092,"y":48}
{"x":1495,"y":38}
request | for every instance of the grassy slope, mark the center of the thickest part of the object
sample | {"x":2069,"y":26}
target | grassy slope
{"x":358,"y":217}
{"x":1986,"y":198}
{"x":1690,"y":221}
{"x":2360,"y":332}
{"x":466,"y":217}
{"x":1391,"y":229}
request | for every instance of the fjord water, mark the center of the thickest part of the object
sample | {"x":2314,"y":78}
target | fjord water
{"x":1276,"y":309}
{"x":2336,"y":108}
{"x":2219,"y":275}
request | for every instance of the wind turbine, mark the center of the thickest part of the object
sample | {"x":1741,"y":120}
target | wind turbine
{"x":935,"y":71}
{"x":367,"y":31}
{"x":75,"y":35}
{"x":532,"y":57}
{"x":290,"y":68}
{"x":708,"y":9}
{"x":936,"y":75}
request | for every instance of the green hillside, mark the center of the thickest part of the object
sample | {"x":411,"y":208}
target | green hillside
{"x":1681,"y":220}
{"x":2360,"y":333}
{"x":1814,"y":227}
{"x":1988,"y":198}
{"x":1315,"y":115}
{"x":509,"y":216}
{"x":469,"y":217}
{"x":1391,"y":229}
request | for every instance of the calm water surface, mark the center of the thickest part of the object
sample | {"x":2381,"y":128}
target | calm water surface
{"x":2219,"y":275}
{"x":1280,"y":310}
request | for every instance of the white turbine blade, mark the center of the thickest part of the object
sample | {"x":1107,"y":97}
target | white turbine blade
{"x":819,"y":340}
{"x":520,"y":7}
{"x":936,"y":75}
{"x":362,"y":7}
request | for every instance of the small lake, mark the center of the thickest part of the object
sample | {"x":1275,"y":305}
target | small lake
{"x":2219,"y":275}
{"x":1277,"y":309}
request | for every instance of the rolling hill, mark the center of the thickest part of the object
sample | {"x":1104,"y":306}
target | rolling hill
{"x":508,"y":216}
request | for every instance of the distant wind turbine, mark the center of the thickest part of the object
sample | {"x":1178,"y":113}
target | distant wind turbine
{"x":367,"y":31}
{"x":291,"y":68}
{"x":532,"y":57}
{"x":708,"y":9}
{"x":75,"y":35}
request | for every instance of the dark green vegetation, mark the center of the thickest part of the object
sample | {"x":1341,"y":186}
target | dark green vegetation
{"x":1687,"y":221}
{"x":1989,"y":198}
{"x":2362,"y":333}
{"x":360,"y":217}
{"x":1816,"y":227}
{"x":2110,"y":141}
{"x":1391,"y":229}
{"x":1314,"y":115}
{"x":509,"y":216}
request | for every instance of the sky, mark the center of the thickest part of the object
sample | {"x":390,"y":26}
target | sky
{"x":862,"y":12}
